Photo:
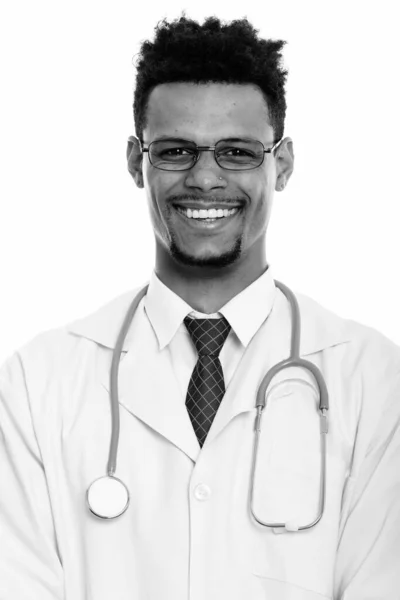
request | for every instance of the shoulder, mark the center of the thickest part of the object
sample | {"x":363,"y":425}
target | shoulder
{"x":362,"y":347}
{"x":52,"y":348}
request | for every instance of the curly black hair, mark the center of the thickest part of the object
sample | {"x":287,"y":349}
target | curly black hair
{"x":185,"y":51}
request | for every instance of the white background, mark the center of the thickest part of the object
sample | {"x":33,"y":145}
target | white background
{"x":75,"y":232}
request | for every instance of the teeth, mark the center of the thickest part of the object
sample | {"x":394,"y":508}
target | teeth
{"x":207,"y":214}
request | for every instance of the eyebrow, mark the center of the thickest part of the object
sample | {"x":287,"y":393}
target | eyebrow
{"x":172,"y":137}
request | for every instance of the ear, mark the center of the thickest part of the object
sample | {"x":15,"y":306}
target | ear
{"x":284,"y":157}
{"x":135,"y":157}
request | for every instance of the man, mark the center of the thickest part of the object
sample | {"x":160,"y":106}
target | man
{"x":210,"y":152}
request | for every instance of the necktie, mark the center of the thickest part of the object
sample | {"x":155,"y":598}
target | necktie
{"x":206,"y":386}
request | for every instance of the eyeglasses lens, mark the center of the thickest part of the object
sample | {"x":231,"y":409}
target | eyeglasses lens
{"x":179,"y":155}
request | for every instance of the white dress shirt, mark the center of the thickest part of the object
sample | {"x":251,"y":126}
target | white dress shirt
{"x":166,"y":311}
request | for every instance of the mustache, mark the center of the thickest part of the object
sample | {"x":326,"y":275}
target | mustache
{"x":214,"y":198}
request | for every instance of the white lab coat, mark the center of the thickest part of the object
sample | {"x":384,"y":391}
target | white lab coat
{"x":188,"y":533}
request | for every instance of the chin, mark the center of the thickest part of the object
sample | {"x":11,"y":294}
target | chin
{"x":216,"y":261}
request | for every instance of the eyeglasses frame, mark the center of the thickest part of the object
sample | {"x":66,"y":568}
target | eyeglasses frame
{"x":206,"y":149}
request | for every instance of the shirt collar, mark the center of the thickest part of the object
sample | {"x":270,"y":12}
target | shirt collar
{"x":320,"y":328}
{"x":245,"y":312}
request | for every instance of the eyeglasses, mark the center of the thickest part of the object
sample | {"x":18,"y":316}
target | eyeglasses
{"x":234,"y":154}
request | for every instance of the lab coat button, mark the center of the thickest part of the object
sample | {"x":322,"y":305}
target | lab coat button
{"x":202,"y":492}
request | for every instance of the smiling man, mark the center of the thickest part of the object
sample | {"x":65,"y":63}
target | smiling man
{"x":212,"y":497}
{"x":210,"y":175}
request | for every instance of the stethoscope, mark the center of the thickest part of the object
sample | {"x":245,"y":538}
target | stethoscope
{"x":108,"y":497}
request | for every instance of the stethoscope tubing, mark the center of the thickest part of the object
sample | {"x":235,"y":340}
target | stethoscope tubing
{"x":112,"y":458}
{"x":294,"y":360}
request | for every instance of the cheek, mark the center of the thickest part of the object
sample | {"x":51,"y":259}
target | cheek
{"x":262,"y":212}
{"x":261,"y":194}
{"x":260,"y":208}
{"x":159,"y":185}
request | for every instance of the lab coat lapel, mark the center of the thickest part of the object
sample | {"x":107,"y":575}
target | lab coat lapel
{"x":320,"y":329}
{"x":270,"y":345}
{"x":149,"y":390}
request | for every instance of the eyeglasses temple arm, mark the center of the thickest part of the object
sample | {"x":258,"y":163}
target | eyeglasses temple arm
{"x":275,"y":146}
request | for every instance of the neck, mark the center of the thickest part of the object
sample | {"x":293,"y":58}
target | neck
{"x":208,"y":289}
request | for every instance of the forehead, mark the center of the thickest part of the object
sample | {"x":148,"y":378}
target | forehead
{"x":206,"y":113}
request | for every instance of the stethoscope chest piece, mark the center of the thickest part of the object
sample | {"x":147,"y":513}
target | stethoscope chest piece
{"x":107,"y":497}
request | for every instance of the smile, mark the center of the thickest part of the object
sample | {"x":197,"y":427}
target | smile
{"x":210,"y":220}
{"x":208,"y":215}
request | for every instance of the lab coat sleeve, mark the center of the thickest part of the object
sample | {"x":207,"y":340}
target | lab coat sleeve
{"x":368,"y":557}
{"x":30,"y":566}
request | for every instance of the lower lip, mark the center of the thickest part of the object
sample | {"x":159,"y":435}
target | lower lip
{"x":212,"y":224}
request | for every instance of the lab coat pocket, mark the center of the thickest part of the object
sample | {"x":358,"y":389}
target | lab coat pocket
{"x":287,"y":489}
{"x":281,"y":590}
{"x":305,"y":558}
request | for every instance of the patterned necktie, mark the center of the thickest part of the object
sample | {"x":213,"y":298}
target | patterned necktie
{"x":206,"y":386}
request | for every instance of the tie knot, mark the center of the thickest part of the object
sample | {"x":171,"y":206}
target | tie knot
{"x":208,"y":335}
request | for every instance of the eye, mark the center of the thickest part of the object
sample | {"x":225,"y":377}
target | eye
{"x":236,"y":152}
{"x":176,"y":152}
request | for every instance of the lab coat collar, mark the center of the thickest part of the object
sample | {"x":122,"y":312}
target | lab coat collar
{"x":155,"y":397}
{"x":245,"y":312}
{"x":320,"y":328}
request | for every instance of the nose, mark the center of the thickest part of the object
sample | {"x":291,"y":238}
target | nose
{"x":206,"y":174}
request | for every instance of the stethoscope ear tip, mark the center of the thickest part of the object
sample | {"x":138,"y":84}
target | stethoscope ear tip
{"x":292,"y":525}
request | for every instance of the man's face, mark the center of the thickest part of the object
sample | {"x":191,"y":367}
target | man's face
{"x":205,"y":114}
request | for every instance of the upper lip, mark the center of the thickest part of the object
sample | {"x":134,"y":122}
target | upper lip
{"x":199,"y":205}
